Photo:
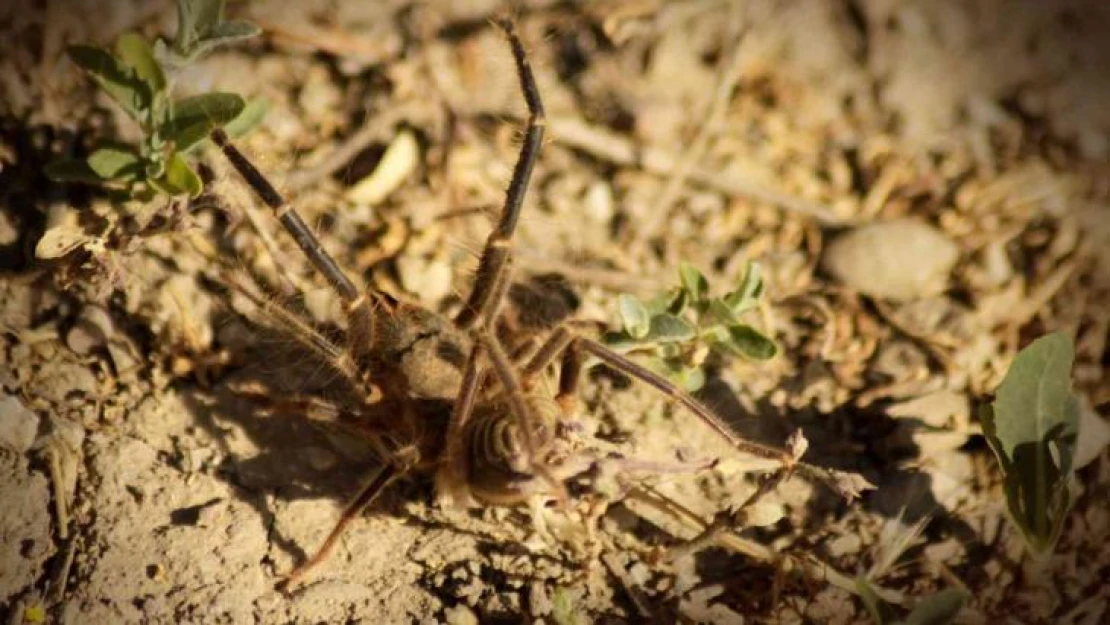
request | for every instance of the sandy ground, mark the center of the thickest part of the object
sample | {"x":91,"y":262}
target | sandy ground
{"x":143,"y":480}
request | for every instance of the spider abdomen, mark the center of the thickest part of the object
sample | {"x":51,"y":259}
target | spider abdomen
{"x":497,"y":454}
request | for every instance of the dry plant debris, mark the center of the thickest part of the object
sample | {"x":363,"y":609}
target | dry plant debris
{"x":141,"y":484}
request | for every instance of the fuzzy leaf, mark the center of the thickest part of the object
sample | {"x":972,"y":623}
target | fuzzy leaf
{"x":939,"y":608}
{"x":693,"y":282}
{"x":879,"y":611}
{"x":620,"y":342}
{"x":1032,"y":427}
{"x":744,"y":340}
{"x":134,"y":50}
{"x":226,"y":33}
{"x":691,"y":379}
{"x":193,"y":118}
{"x":179,"y":178}
{"x":746,"y":295}
{"x":116,"y":162}
{"x":229,"y":32}
{"x":155,"y":167}
{"x":634,"y":316}
{"x":72,"y":170}
{"x":663,"y":302}
{"x":116,"y":79}
{"x":667,"y":328}
{"x":194,"y":19}
{"x":720,"y":312}
{"x":564,"y":609}
{"x":247,"y":119}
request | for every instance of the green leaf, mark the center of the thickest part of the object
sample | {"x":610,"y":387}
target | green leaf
{"x":1035,"y":396}
{"x":672,"y":301}
{"x":939,"y":608}
{"x":744,"y":340}
{"x":248,"y":118}
{"x":693,"y":282}
{"x":564,"y":609}
{"x":179,"y":178}
{"x":691,"y":379}
{"x":880,"y":612}
{"x":746,"y":295}
{"x":134,"y":50}
{"x":193,"y":118}
{"x":116,"y":161}
{"x":669,"y":350}
{"x":1032,"y":427}
{"x":154,"y":167}
{"x":620,"y":342}
{"x":72,"y":170}
{"x":720,"y":312}
{"x":634,"y":316}
{"x":229,"y":32}
{"x":667,"y":328}
{"x":195,"y":18}
{"x":235,"y":31}
{"x":116,"y":78}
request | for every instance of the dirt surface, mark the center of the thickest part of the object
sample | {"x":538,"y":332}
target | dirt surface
{"x":925,"y":185}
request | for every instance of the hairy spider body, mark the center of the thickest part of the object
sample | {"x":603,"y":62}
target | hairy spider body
{"x":446,"y":396}
{"x":425,"y":348}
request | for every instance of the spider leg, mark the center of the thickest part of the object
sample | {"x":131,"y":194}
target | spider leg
{"x":308,"y":336}
{"x":365,"y":496}
{"x":496,"y":257}
{"x":359,"y":305}
{"x":849,"y":485}
{"x":555,"y":344}
{"x":452,"y":475}
{"x":493,"y":276}
{"x":573,"y":349}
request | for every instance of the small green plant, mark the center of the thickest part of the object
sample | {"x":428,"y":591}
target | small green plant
{"x":136,"y":75}
{"x":939,"y":608}
{"x":1032,"y":426}
{"x":674,"y":332}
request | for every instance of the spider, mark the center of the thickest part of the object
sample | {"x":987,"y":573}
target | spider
{"x":455,"y":397}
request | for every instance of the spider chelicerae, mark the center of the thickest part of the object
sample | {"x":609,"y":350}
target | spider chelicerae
{"x":457,"y":397}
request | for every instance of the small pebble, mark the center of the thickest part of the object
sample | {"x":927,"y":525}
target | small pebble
{"x":900,"y":259}
{"x":18,"y":425}
{"x":431,"y":280}
{"x":1094,"y":434}
{"x":93,"y":327}
{"x":598,"y":202}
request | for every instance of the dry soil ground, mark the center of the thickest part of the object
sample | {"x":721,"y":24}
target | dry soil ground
{"x":139,"y":482}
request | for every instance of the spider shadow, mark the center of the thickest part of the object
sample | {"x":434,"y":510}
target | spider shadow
{"x":265,"y":451}
{"x":866,"y":441}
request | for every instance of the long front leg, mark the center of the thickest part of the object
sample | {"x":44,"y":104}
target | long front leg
{"x":493,"y":267}
{"x":358,"y":305}
{"x":849,"y":485}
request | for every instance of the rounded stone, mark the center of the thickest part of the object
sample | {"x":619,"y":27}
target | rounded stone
{"x":900,"y":259}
